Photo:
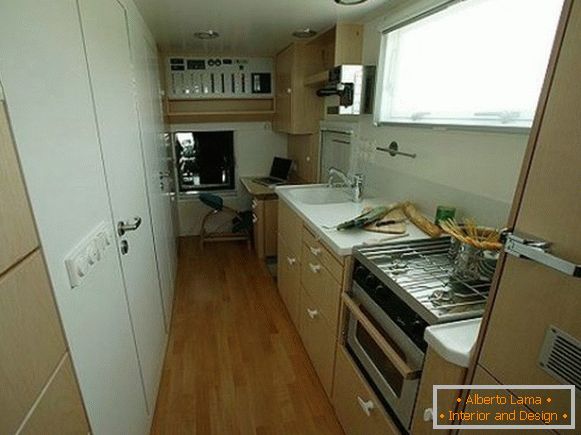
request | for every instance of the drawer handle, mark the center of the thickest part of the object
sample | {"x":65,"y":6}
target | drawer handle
{"x":315,"y":268}
{"x":254,"y":204}
{"x":312,"y":313}
{"x":254,"y":218}
{"x":315,"y":251}
{"x":366,"y":406}
{"x":291,"y":261}
{"x":428,"y":414}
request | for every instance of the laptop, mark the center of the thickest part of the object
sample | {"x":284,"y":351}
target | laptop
{"x":279,"y":173}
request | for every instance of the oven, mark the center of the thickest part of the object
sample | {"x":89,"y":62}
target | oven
{"x":385,"y":337}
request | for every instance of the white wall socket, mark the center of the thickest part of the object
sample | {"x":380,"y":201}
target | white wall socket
{"x":88,"y":254}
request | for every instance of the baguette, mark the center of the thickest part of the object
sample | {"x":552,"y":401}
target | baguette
{"x":421,"y":221}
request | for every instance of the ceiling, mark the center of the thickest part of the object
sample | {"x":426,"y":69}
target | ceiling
{"x":246,"y":27}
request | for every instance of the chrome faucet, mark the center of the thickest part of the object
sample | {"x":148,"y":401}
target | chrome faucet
{"x":354,"y":183}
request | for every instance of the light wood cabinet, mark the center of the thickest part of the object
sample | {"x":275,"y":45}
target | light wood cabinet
{"x":304,"y":151}
{"x":59,"y":410}
{"x":298,"y":108}
{"x":265,"y":226}
{"x":17,"y":230}
{"x":289,"y":280}
{"x":436,"y":371}
{"x":359,"y":410}
{"x":319,"y":339}
{"x":290,"y":228}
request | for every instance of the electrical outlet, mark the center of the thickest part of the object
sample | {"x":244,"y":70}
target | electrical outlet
{"x":88,"y":254}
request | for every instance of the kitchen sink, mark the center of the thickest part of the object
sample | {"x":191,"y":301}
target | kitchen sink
{"x":320,"y":195}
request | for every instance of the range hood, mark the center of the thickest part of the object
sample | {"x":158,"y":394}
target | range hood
{"x":354,"y":85}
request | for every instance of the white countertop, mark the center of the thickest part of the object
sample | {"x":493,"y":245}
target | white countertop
{"x":454,"y":341}
{"x":317,"y":216}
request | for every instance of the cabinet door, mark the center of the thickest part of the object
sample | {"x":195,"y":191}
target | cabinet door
{"x":17,"y":231}
{"x":284,"y":68}
{"x":60,"y":409}
{"x":258,"y":231}
{"x":270,"y":224}
{"x":31,"y":340}
{"x":356,"y":405}
{"x":289,"y":280}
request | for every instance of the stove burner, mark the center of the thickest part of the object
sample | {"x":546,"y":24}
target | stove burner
{"x":423,"y":270}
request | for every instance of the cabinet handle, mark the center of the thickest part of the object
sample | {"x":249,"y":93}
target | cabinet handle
{"x":254,"y":204}
{"x":315,"y":268}
{"x":254,"y":218}
{"x":291,"y":261}
{"x":315,"y":251}
{"x":312,"y":313}
{"x":366,"y":406}
{"x":289,"y":90}
{"x":428,"y":414}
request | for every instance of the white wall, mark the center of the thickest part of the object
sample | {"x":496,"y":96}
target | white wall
{"x":475,"y":171}
{"x":255,"y":145}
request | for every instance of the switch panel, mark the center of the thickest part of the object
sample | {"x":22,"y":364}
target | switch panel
{"x":88,"y":254}
{"x":210,"y":78}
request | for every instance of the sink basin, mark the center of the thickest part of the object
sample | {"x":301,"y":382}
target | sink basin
{"x":320,"y":195}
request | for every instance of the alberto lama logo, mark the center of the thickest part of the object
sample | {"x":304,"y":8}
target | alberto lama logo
{"x":508,"y":406}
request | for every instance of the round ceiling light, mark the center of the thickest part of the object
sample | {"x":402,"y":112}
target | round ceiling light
{"x":349,"y":2}
{"x":207,"y":34}
{"x":307,"y":32}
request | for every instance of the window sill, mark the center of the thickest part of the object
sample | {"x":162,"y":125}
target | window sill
{"x":457,"y":127}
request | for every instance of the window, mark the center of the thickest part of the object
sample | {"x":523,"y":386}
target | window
{"x":205,"y":161}
{"x":476,"y":63}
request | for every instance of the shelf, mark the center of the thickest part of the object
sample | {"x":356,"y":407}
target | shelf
{"x":219,"y":110}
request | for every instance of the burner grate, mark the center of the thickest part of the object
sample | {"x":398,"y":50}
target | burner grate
{"x":425,"y":271}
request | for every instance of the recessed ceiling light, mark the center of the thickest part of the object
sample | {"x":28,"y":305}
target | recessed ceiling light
{"x":350,"y":2}
{"x":307,"y":32}
{"x":207,"y":34}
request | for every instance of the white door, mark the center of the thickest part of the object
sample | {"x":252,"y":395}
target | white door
{"x":105,"y":33}
{"x":157,"y":164}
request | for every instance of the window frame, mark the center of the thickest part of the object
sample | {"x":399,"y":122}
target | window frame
{"x":381,"y":70}
{"x":193,"y":194}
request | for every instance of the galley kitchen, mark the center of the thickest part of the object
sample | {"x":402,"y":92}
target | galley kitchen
{"x":302,"y":217}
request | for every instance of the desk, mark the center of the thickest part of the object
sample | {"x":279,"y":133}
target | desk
{"x":265,"y":217}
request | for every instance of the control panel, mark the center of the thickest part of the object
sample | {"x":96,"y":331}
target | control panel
{"x":88,"y":253}
{"x":219,"y":77}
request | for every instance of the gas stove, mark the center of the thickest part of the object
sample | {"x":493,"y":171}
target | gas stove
{"x":420,"y":272}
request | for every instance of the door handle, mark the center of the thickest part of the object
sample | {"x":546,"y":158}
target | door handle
{"x":539,"y":251}
{"x":312,"y":313}
{"x":315,"y":268}
{"x":366,"y":406}
{"x":123,"y":227}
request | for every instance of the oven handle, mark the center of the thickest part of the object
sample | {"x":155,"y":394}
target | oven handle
{"x":402,"y":367}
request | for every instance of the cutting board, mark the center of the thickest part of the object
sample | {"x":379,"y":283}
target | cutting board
{"x":400,"y":227}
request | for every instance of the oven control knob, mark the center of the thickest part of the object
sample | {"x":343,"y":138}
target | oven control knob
{"x":370,"y":281}
{"x":359,"y":272}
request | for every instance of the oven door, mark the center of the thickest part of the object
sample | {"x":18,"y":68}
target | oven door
{"x":391,"y":363}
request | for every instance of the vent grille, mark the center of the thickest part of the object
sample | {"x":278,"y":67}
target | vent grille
{"x":561,"y":357}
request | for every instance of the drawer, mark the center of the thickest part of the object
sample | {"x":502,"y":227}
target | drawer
{"x":288,"y":279}
{"x":356,"y":406}
{"x":31,"y":340}
{"x":320,"y":286}
{"x":60,"y":409}
{"x":317,"y":248}
{"x":290,"y":227}
{"x":319,"y":340}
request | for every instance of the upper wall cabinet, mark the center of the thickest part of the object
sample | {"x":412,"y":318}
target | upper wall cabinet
{"x":301,"y":67}
{"x":17,"y":231}
{"x":298,"y":107}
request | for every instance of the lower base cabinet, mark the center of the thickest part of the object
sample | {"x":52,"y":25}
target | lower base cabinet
{"x":289,"y":280}
{"x":357,"y":407}
{"x":319,"y":340}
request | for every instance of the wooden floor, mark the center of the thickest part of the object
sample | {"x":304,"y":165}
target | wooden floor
{"x":235,"y":364}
